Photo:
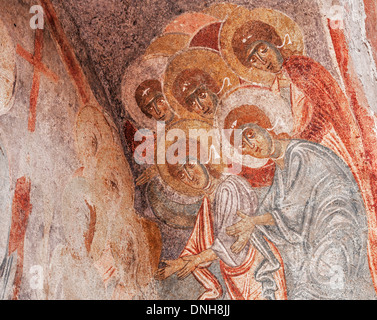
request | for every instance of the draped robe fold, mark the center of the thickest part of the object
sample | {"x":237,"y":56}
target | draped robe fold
{"x":238,"y":270}
{"x":325,"y":116}
{"x":321,"y":227}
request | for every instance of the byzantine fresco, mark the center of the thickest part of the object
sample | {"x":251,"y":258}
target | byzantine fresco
{"x":274,"y":198}
{"x":276,"y":231}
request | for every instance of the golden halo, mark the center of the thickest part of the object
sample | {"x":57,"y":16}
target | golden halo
{"x":207,"y":60}
{"x":283,"y":26}
{"x":167,"y":45}
{"x":275,"y":108}
{"x":139,"y":71}
{"x":220,"y":11}
{"x":189,"y":23}
{"x":177,"y":185}
{"x":7,"y":70}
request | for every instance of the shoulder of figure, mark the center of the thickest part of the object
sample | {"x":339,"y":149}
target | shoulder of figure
{"x":305,"y":70}
{"x":233,"y":183}
{"x":299,"y":145}
{"x":300,"y":60}
{"x":307,"y":147}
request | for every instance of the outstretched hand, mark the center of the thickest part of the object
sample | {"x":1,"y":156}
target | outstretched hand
{"x":242,"y":230}
{"x":245,"y":225}
{"x":240,"y":243}
{"x":171,"y":267}
{"x":191,"y":263}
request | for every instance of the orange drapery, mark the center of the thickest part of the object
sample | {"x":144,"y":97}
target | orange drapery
{"x":240,"y":281}
{"x":365,"y":122}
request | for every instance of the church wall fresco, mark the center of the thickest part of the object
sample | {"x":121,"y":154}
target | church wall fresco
{"x":184,"y":150}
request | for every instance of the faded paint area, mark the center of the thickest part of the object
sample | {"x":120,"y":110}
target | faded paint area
{"x":8,"y":69}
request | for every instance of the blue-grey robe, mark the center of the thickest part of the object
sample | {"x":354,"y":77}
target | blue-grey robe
{"x":232,"y":195}
{"x":321,"y":228}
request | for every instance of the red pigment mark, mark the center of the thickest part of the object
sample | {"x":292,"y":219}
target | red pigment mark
{"x":66,"y":52}
{"x":39,"y":68}
{"x":207,"y":37}
{"x":189,"y":23}
{"x":21,"y":209}
{"x":365,"y":120}
{"x":370,"y":24}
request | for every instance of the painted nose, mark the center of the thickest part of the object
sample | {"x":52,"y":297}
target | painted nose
{"x":260,"y":59}
{"x":191,"y":178}
{"x":156,"y":109}
{"x":250,"y":144}
{"x":199,"y":105}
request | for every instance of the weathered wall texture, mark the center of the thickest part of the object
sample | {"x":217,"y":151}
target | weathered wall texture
{"x":82,"y":218}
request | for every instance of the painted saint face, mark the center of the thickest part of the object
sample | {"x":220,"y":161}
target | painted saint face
{"x":127,"y":257}
{"x":257,"y":142}
{"x":193,"y":174}
{"x":158,"y":108}
{"x":202,"y":101}
{"x":197,"y":91}
{"x":265,"y":56}
{"x":152,"y":102}
{"x":93,"y":131}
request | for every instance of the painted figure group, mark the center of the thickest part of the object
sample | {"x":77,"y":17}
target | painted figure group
{"x":298,"y":220}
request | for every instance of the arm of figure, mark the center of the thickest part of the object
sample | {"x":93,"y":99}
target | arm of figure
{"x":171,"y":267}
{"x":244,"y":228}
{"x":192,"y":262}
{"x":147,"y":175}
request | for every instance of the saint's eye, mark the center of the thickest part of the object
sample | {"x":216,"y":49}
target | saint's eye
{"x":202,"y":95}
{"x":181,"y":175}
{"x":190,"y":101}
{"x":250,"y":134}
{"x":191,"y":165}
{"x":94,"y":142}
{"x":111,"y":185}
{"x":263,"y":49}
{"x":253,"y":59}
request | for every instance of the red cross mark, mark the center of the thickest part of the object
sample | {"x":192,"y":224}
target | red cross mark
{"x":39,"y":67}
